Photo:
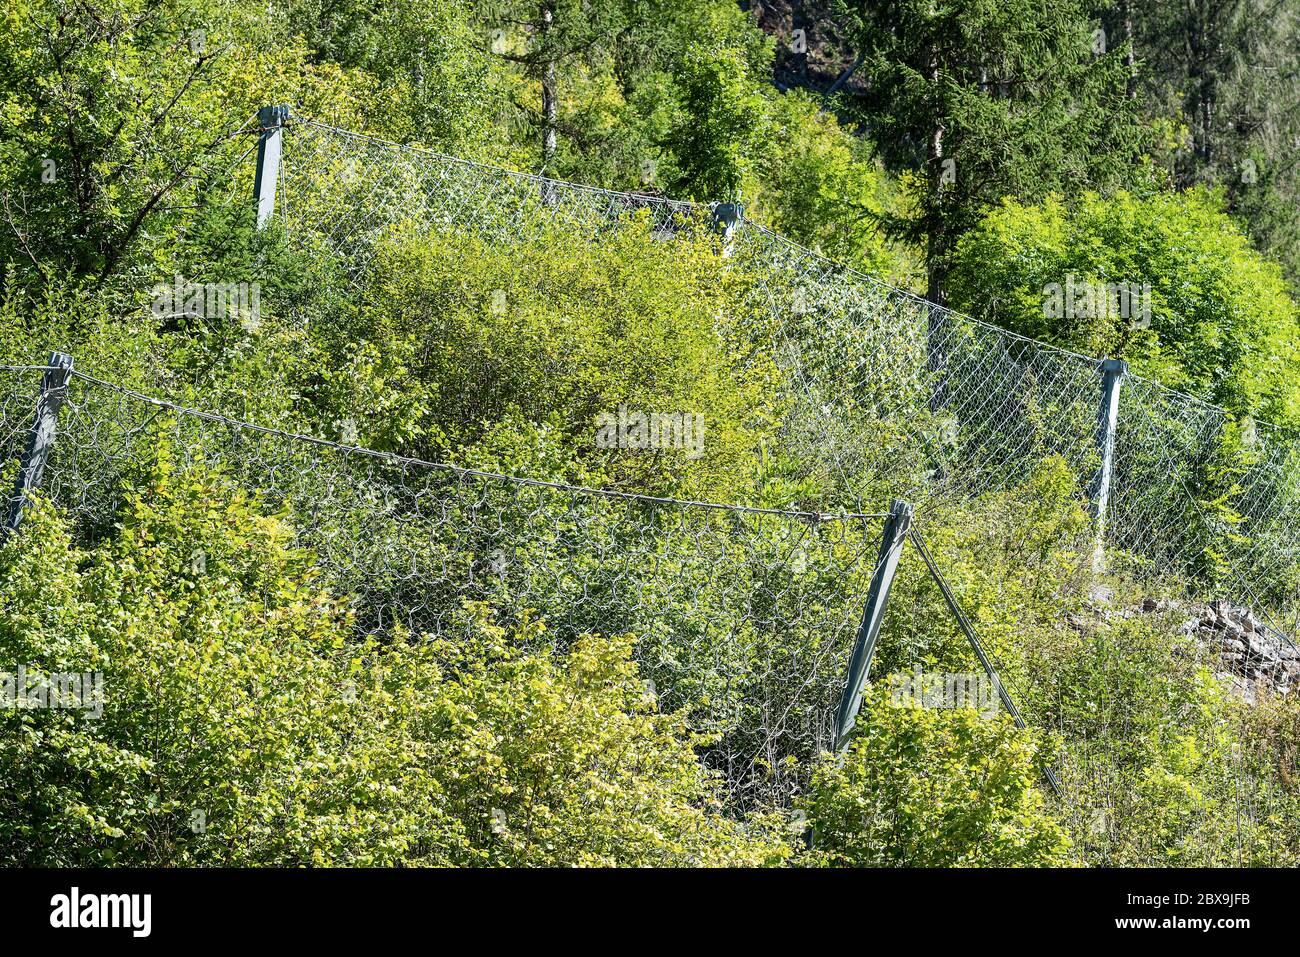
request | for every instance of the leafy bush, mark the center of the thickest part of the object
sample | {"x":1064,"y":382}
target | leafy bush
{"x":455,"y":335}
{"x":240,"y":725}
{"x":930,"y":788}
{"x":1222,"y":325}
{"x":1153,"y":763}
{"x":820,"y":186}
{"x":556,"y":759}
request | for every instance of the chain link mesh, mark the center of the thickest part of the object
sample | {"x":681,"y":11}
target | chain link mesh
{"x":343,"y":191}
{"x":744,"y":616}
{"x":747,"y":616}
{"x":893,"y":395}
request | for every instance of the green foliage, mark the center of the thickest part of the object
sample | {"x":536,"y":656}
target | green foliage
{"x":241,"y":727}
{"x":436,"y":81}
{"x":1222,"y":324}
{"x":120,"y":115}
{"x":1018,"y":561}
{"x":226,"y":737}
{"x":1216,"y":509}
{"x":1152,"y":763}
{"x":249,"y":720}
{"x":1150,"y":747}
{"x":562,"y":760}
{"x":719,"y":122}
{"x":454,"y":336}
{"x":611,"y":72}
{"x":1197,"y":73}
{"x":1270,"y":749}
{"x":818,"y":184}
{"x":977,"y":100}
{"x":924,"y":787}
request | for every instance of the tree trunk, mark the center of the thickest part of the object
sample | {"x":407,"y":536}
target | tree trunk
{"x":1201,"y":77}
{"x":1130,"y":59}
{"x":936,"y":243}
{"x":936,"y":257}
{"x":550,"y":105}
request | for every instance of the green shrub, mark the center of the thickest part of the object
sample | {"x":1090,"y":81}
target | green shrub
{"x":925,"y":787}
{"x":242,"y":725}
{"x":456,"y":334}
{"x":1222,"y":324}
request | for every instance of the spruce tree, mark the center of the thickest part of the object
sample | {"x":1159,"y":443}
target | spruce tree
{"x":977,"y":100}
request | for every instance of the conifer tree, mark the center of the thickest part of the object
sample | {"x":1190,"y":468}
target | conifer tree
{"x":983,"y":99}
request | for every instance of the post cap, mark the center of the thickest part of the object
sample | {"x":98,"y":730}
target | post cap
{"x":59,"y":371}
{"x":901,"y":512}
{"x":728,"y":216}
{"x":272,"y":116}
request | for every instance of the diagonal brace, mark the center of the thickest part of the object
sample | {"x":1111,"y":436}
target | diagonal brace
{"x":969,"y":631}
{"x":864,"y":647}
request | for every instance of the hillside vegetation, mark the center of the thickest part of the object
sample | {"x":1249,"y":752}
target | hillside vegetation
{"x":466,"y":626}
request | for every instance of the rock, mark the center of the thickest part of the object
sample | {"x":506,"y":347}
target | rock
{"x":1100,"y":594}
{"x":1245,"y":652}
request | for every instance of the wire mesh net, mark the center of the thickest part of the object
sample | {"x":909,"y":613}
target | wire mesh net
{"x":341,"y":192}
{"x":968,"y":408}
{"x":745,"y":617}
{"x":890,"y":395}
{"x":879,"y":375}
